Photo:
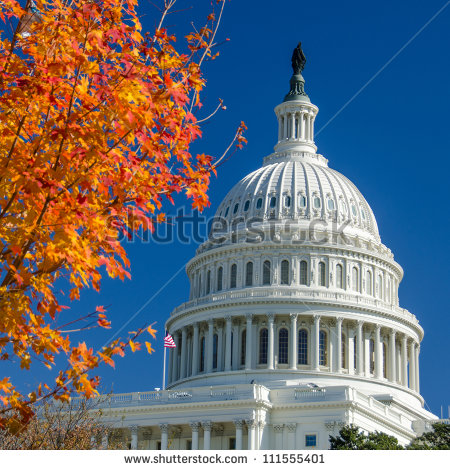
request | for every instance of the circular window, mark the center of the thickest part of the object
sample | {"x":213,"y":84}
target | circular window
{"x":287,"y":201}
{"x":317,"y":203}
{"x":331,"y":204}
{"x":354,"y":210}
{"x":273,"y":202}
{"x":259,"y":203}
{"x":226,"y":211}
{"x":236,"y":207}
{"x":246,"y":205}
{"x":302,"y":201}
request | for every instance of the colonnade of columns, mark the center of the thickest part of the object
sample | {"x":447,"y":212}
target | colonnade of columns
{"x":296,"y":125}
{"x":337,"y":345}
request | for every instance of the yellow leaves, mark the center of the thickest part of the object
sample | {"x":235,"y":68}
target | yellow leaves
{"x":5,"y":385}
{"x":149,"y":347}
{"x":151,"y":331}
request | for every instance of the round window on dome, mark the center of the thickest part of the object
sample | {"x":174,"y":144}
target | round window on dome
{"x":259,"y":203}
{"x":246,"y":205}
{"x":331,"y":204}
{"x":236,"y":207}
{"x":273,"y":202}
{"x":317,"y":202}
{"x":287,"y":201}
{"x":302,"y":201}
{"x":226,"y":211}
{"x":354,"y":211}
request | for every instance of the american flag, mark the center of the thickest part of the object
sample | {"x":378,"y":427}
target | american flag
{"x":169,"y":342}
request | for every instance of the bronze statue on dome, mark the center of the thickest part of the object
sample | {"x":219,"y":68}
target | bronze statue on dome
{"x":298,"y":59}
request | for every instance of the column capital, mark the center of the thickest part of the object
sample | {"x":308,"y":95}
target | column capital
{"x":270,"y":317}
{"x":293,"y":316}
{"x":238,"y":423}
{"x":210,"y":322}
{"x":228,"y":318}
{"x":278,"y":428}
{"x":251,"y":423}
{"x":164,"y":427}
{"x":134,"y":428}
{"x":393,"y":332}
{"x":339,"y":320}
{"x":360,"y":323}
{"x":291,"y":427}
{"x":194,"y":426}
{"x":377,"y":328}
{"x":249,"y":317}
{"x":207,"y":425}
{"x":317,"y":317}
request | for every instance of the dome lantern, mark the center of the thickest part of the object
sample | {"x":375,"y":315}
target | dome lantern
{"x":296,"y":114}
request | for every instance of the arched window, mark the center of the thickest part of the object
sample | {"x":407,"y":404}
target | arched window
{"x":380,"y":286}
{"x":355,"y":279}
{"x":266,"y":273}
{"x":219,"y":278}
{"x":233,"y":276}
{"x":302,"y":201}
{"x":215,"y":341}
{"x":384,"y":351}
{"x":283,"y":342}
{"x":249,"y":274}
{"x":343,"y":351}
{"x":322,"y":280}
{"x":208,"y":283}
{"x":302,"y":347}
{"x":368,"y":283}
{"x":339,"y":276}
{"x":263,"y":344}
{"x":285,"y":272}
{"x":316,"y":203}
{"x":202,"y":354}
{"x":303,"y":273}
{"x":236,"y":207}
{"x":243,"y":346}
{"x":287,"y":201}
{"x":273,"y":202}
{"x":259,"y":203}
{"x":323,"y":348}
{"x":371,"y":356}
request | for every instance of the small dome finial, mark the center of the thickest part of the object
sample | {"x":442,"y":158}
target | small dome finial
{"x":297,"y":91}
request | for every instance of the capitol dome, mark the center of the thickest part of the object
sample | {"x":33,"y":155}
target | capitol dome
{"x":293,"y":326}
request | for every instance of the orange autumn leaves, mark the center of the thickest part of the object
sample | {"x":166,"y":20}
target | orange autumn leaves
{"x":96,"y":123}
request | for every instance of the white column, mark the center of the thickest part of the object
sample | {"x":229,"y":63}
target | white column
{"x":220,"y":347}
{"x":302,"y":126}
{"x":175,"y":359}
{"x":417,"y":351}
{"x":278,"y":429}
{"x":194,"y":427}
{"x":315,"y":337}
{"x":238,"y":424}
{"x":164,"y":435}
{"x":367,"y":357}
{"x":378,"y":353}
{"x":404,"y":361}
{"x":270,"y":348}
{"x":228,"y":343}
{"x":209,"y":347}
{"x":351,"y":352}
{"x":134,"y":437}
{"x":183,"y":352}
{"x":307,"y":126}
{"x":399,"y":364}
{"x":312,"y":127}
{"x":251,"y":426}
{"x":392,"y":372}
{"x":280,"y":129}
{"x":293,"y":344}
{"x":338,"y":343}
{"x":291,"y":427}
{"x":207,"y":425}
{"x":297,"y":127}
{"x":248,"y":345}
{"x":292,"y":125}
{"x":235,"y":348}
{"x":412,"y":367}
{"x":285,"y":126}
{"x":359,"y":348}
{"x":195,"y":351}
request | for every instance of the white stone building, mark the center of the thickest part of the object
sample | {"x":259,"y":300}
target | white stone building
{"x":293,"y":327}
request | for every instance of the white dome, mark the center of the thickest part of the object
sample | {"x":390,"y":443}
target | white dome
{"x":301,"y":190}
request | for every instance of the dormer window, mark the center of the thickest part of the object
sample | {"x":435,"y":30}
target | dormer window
{"x":317,"y":202}
{"x":273,"y":202}
{"x":246,"y":205}
{"x":259,"y":203}
{"x":302,"y":201}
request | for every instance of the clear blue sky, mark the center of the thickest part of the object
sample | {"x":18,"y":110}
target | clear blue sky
{"x":392,"y":141}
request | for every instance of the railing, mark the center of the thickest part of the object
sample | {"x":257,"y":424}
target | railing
{"x":300,"y":294}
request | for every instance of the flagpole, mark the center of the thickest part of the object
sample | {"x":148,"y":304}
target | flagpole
{"x":164,"y":369}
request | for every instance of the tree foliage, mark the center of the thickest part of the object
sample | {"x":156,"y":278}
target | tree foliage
{"x":96,"y":123}
{"x":351,"y":438}
{"x":438,"y":439}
